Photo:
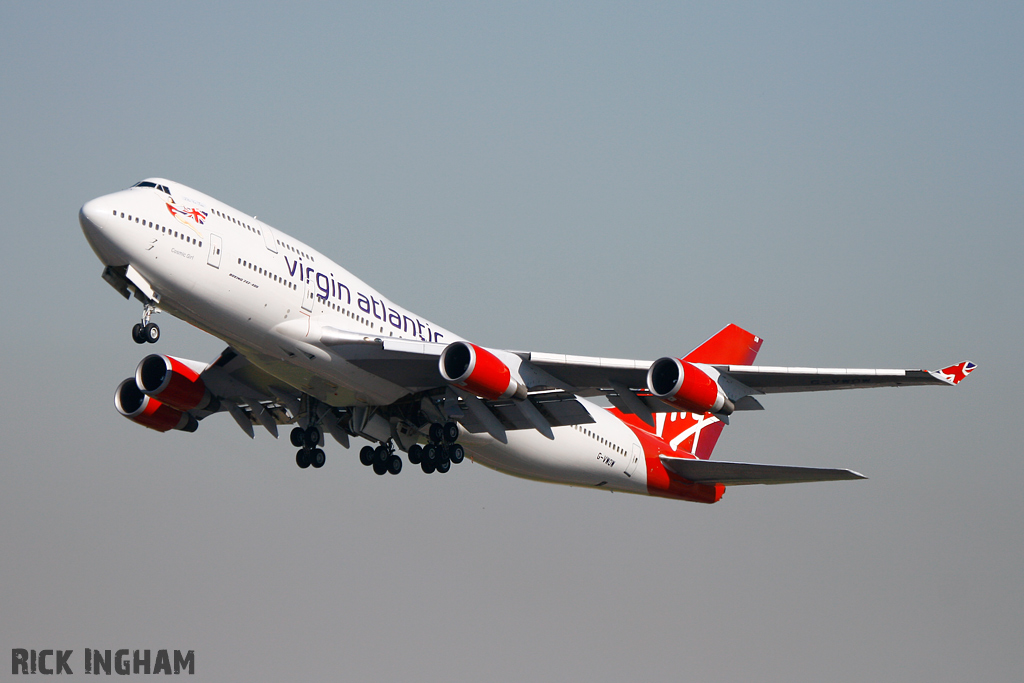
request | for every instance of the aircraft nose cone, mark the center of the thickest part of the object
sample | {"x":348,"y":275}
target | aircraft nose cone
{"x":88,"y":217}
{"x":92,"y":217}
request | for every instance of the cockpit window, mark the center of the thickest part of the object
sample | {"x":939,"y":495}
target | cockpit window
{"x":146,"y":183}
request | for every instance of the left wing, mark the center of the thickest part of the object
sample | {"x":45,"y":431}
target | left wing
{"x":626,"y":383}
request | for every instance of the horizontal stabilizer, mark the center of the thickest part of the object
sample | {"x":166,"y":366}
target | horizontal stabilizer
{"x":739,"y":473}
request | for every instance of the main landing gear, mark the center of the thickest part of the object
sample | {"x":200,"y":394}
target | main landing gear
{"x":308,"y":442}
{"x":383,"y":459}
{"x":437,"y":456}
{"x":146,"y":331}
{"x":441,"y":452}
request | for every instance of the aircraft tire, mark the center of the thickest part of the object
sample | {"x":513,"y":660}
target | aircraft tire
{"x":436,"y":433}
{"x":456,"y":453}
{"x":302,"y":458}
{"x":298,"y":437}
{"x":427,"y":467}
{"x":313,"y":435}
{"x":430,"y":453}
{"x":366,"y":455}
{"x":137,"y":335}
{"x":151,"y":333}
{"x":379,"y":467}
{"x":443,"y":465}
{"x":381,"y":455}
{"x":317,"y":458}
{"x":415,"y":454}
{"x":395,"y":464}
{"x":451,"y":432}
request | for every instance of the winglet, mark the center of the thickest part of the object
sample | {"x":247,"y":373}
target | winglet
{"x":954,"y":374}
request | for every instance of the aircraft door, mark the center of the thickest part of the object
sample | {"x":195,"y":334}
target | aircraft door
{"x":634,"y":460}
{"x":307,"y":299}
{"x":215,"y":248}
{"x":268,"y":235}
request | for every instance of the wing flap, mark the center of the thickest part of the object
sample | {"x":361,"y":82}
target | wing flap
{"x":742,"y":473}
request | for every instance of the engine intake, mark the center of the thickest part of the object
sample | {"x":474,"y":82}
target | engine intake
{"x":685,"y":385}
{"x":476,"y":369}
{"x":148,"y":411}
{"x":173,"y":382}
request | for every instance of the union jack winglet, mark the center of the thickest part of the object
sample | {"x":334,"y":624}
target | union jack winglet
{"x":954,"y":374}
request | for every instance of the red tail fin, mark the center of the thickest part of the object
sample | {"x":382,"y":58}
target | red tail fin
{"x":694,"y":433}
{"x":732,"y":346}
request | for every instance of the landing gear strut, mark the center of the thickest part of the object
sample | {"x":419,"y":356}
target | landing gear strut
{"x":146,"y":331}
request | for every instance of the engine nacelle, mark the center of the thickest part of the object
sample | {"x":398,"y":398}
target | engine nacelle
{"x":173,"y":382}
{"x":685,"y":385}
{"x":148,"y":411}
{"x":476,"y":369}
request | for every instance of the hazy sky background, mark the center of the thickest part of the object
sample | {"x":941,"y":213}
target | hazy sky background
{"x":843,"y":179}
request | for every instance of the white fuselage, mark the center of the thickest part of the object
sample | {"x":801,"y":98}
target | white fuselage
{"x":270,"y":296}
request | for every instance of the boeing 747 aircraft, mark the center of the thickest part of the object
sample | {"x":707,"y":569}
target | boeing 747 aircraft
{"x":312,"y":346}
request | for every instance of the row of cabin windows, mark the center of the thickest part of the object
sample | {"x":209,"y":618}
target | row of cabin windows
{"x":600,"y":440}
{"x":266,"y":273}
{"x":163,"y":229}
{"x":297,"y":251}
{"x":237,"y":222}
{"x":345,"y":311}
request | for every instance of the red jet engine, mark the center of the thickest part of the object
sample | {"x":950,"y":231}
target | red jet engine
{"x":148,"y":411}
{"x":479,"y":371}
{"x":685,"y":385}
{"x":172,"y":382}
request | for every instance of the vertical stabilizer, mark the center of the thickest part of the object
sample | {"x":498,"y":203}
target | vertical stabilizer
{"x":732,"y":346}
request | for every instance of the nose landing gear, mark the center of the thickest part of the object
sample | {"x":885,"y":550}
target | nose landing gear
{"x":146,"y":331}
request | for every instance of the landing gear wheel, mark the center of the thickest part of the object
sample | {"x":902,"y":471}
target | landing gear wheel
{"x":427,"y":467}
{"x":313,"y":435}
{"x":395,"y":464}
{"x":298,"y":437}
{"x":450,"y":432}
{"x":151,"y":333}
{"x":436,"y":433}
{"x":366,"y":455}
{"x":317,"y":458}
{"x":430,"y":453}
{"x":137,"y":334}
{"x":302,"y":458}
{"x":380,"y":467}
{"x":415,"y":454}
{"x":381,"y":455}
{"x":456,"y":453}
{"x":443,"y":465}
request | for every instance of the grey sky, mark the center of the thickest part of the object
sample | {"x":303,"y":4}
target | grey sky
{"x":844,"y":180}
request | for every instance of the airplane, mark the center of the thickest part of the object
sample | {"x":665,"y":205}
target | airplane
{"x":314,"y":347}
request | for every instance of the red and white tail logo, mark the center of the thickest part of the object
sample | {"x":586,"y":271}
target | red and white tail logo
{"x":690,"y":432}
